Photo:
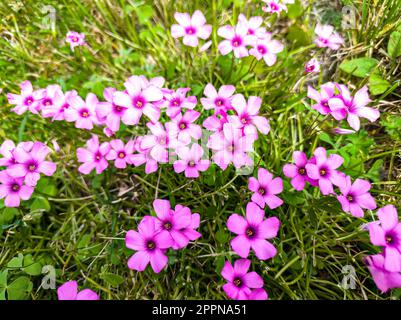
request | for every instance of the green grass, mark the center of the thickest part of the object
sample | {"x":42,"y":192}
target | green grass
{"x":78,"y":223}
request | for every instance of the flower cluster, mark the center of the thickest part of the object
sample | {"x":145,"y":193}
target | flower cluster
{"x":169,"y":229}
{"x":327,"y":37}
{"x":276,"y":6}
{"x":23,"y":165}
{"x":336,"y":99}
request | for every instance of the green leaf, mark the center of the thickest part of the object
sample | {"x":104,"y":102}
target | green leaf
{"x":19,"y":289}
{"x":8,"y":215}
{"x":295,"y":10}
{"x":112,"y":279}
{"x":222,"y":236}
{"x":394,"y":44}
{"x":377,"y":85}
{"x":16,"y":262}
{"x":31,"y":267}
{"x":298,"y":36}
{"x":40,"y":203}
{"x":45,"y":186}
{"x":3,"y":278}
{"x":360,"y":67}
{"x":144,"y":13}
{"x":374,"y":172}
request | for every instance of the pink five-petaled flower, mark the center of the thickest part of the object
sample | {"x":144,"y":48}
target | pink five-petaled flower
{"x":191,"y":28}
{"x":6,"y":150}
{"x":120,"y":153}
{"x":356,"y":196}
{"x":190,"y":161}
{"x":93,"y":157}
{"x":322,"y":98}
{"x":150,"y":245}
{"x":183,"y":127}
{"x":388,"y":236}
{"x":231,"y":145}
{"x":297,"y":171}
{"x":179,"y":224}
{"x":13,"y":189}
{"x":176,"y":100}
{"x":60,"y":102}
{"x":30,"y":165}
{"x":252,"y":232}
{"x":27,"y":100}
{"x":312,"y":66}
{"x":327,"y":38}
{"x":274,"y":6}
{"x":75,"y":39}
{"x":266,"y":49}
{"x":69,"y":291}
{"x":138,"y":99}
{"x":247,"y":117}
{"x":236,"y":40}
{"x":265,"y":189}
{"x":219,"y":101}
{"x":384,"y":279}
{"x":83,"y":113}
{"x":240,"y":281}
{"x":254,"y":25}
{"x":353,"y":107}
{"x":143,"y":157}
{"x":324,"y":170}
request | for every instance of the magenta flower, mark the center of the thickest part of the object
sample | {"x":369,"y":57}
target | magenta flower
{"x":176,"y":224}
{"x":322,"y":98}
{"x":69,"y":291}
{"x":388,"y":236}
{"x":190,"y":161}
{"x":327,"y":38}
{"x":94,"y":156}
{"x":236,"y":40}
{"x":143,"y":157}
{"x":219,"y":101}
{"x":266,"y":49}
{"x":384,"y":279}
{"x":354,"y":107}
{"x":247,"y":117}
{"x":191,"y":28}
{"x":149,"y":244}
{"x":297,"y":171}
{"x":252,"y":232}
{"x":6,"y":150}
{"x":75,"y":39}
{"x":13,"y":190}
{"x":50,"y":94}
{"x":324,"y":170}
{"x":254,"y":25}
{"x":29,"y":165}
{"x":139,"y":99}
{"x":83,"y":113}
{"x":258,"y":294}
{"x":274,"y":6}
{"x":215,"y":122}
{"x":355,"y":197}
{"x":265,"y":189}
{"x":60,"y":102}
{"x":183,"y":127}
{"x":231,"y":146}
{"x":27,"y":100}
{"x":239,"y":280}
{"x":312,"y":66}
{"x":175,"y":101}
{"x":120,"y":153}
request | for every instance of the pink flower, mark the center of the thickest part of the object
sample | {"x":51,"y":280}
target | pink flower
{"x":60,"y":102}
{"x":50,"y":93}
{"x":312,"y":66}
{"x":191,"y":28}
{"x":29,"y":165}
{"x":239,"y":280}
{"x":274,"y":6}
{"x":83,"y":113}
{"x":215,"y":122}
{"x":230,"y":145}
{"x":6,"y":150}
{"x":150,"y":246}
{"x":297,"y":171}
{"x":327,"y":38}
{"x":247,"y":117}
{"x":343,"y":131}
{"x":353,"y":107}
{"x":258,"y":294}
{"x":139,"y":99}
{"x":183,"y":127}
{"x":253,"y":25}
{"x":388,"y":236}
{"x":322,"y":98}
{"x":27,"y":100}
{"x":356,"y":196}
{"x":120,"y":153}
{"x":266,"y":49}
{"x":236,"y":40}
{"x":75,"y":39}
{"x":384,"y":279}
{"x":190,"y":161}
{"x":13,"y":190}
{"x":265,"y":189}
{"x":324,"y":170}
{"x":93,"y":157}
{"x":252,"y":232}
{"x":143,"y":157}
{"x":205,"y":46}
{"x":179,"y":224}
{"x":219,"y":101}
{"x":69,"y":291}
{"x":175,"y":101}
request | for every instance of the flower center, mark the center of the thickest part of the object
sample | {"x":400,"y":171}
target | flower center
{"x":151,"y":245}
{"x":28,"y":101}
{"x":167,"y":225}
{"x":325,"y":104}
{"x":389,"y":239}
{"x":183,"y":125}
{"x":121,"y":155}
{"x":15,"y":187}
{"x":262,"y":191}
{"x":84,"y":113}
{"x":190,"y":30}
{"x":117,"y":109}
{"x":32,"y":167}
{"x":98,"y":156}
{"x":250,"y":31}
{"x":237,"y":282}
{"x":302,"y":171}
{"x":262,"y":49}
{"x":65,"y":106}
{"x":274,"y":6}
{"x":219,"y":102}
{"x":231,"y":148}
{"x":74,"y":39}
{"x":310,"y":69}
{"x":47,"y":102}
{"x":139,"y":102}
{"x":323,"y":172}
{"x":350,"y":198}
{"x":236,"y":41}
{"x":244,"y":120}
{"x":191,"y":163}
{"x":250,"y":232}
